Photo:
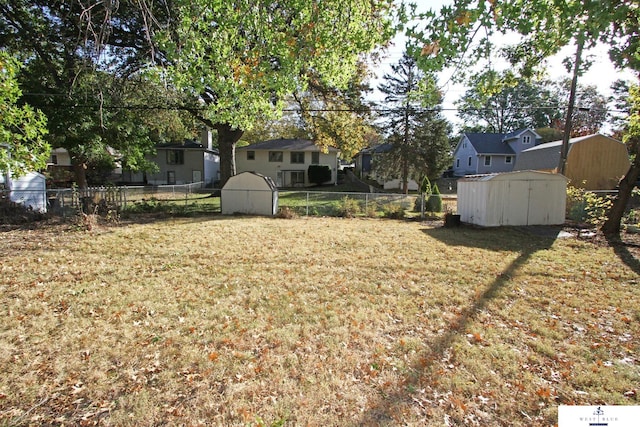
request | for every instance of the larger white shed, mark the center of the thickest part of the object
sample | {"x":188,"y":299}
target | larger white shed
{"x":513,"y":198}
{"x":249,"y":193}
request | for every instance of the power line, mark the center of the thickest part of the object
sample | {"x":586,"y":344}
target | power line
{"x":141,"y":107}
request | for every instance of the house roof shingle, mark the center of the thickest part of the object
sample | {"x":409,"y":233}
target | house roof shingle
{"x":188,"y":144}
{"x":489,"y":143}
{"x":286,"y":145}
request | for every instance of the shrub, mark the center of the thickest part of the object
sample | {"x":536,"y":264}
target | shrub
{"x":372,"y":209}
{"x":586,"y":206}
{"x":348,"y":208}
{"x":286,"y":213}
{"x":319,"y":174}
{"x":434,"y":202}
{"x":394,"y":211}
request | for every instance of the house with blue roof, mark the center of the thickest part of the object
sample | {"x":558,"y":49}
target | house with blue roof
{"x":482,"y":153}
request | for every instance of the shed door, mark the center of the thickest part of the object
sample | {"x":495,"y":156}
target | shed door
{"x":515,"y":209}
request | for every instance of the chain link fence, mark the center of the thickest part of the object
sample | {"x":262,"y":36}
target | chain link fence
{"x":191,"y":199}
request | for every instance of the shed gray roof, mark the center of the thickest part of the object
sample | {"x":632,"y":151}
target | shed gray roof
{"x":286,"y":145}
{"x":545,"y":156}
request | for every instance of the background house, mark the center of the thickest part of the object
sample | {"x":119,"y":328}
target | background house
{"x":286,"y":161}
{"x":594,"y":162}
{"x":365,"y":167}
{"x":482,"y":153}
{"x":189,"y":162}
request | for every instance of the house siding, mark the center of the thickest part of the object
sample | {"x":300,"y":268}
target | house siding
{"x":478,"y":147}
{"x":518,"y":144}
{"x":206,"y":163}
{"x":463,"y":151}
{"x":281,"y":172}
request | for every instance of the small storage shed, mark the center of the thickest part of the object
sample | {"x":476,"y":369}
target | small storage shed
{"x":594,"y":162}
{"x":29,"y":190}
{"x":513,"y":198}
{"x":249,"y":193}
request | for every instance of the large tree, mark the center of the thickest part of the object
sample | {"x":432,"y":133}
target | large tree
{"x":22,"y":128}
{"x":241,"y":59}
{"x":230,"y":63}
{"x":338,"y":117}
{"x":590,"y":112}
{"x":82,"y":69}
{"x":461,"y":34}
{"x":415,"y":130}
{"x":504,"y":102}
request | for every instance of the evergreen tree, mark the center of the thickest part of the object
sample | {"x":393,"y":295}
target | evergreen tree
{"x":414,"y":127}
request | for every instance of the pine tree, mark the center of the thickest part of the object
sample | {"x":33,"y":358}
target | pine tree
{"x":413,"y":124}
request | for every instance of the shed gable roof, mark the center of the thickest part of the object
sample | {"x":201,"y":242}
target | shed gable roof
{"x":547,"y":155}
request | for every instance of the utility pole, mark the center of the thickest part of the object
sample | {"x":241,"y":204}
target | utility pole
{"x":572,"y":100}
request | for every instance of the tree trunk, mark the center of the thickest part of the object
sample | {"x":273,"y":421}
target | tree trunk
{"x":227,"y":139}
{"x":405,"y":176}
{"x":79,"y":172}
{"x":612,"y":225}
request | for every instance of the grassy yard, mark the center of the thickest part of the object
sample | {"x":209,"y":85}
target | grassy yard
{"x":312,"y":321}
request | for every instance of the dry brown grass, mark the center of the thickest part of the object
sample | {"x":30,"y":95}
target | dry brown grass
{"x":311,"y":321}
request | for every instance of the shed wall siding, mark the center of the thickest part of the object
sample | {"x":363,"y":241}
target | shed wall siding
{"x":513,"y":199}
{"x":597,"y":163}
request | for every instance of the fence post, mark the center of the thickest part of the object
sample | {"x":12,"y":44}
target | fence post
{"x":307,"y":203}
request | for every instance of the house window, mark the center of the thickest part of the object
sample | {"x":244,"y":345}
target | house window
{"x":457,"y":163}
{"x":297,"y":178}
{"x":487,"y":160}
{"x":275,"y":156}
{"x":175,"y":157}
{"x":54,"y":159}
{"x":315,"y":157}
{"x":469,"y":161}
{"x":297,"y":157}
{"x":526,"y":139}
{"x":171,"y":177}
{"x":508,"y":159}
{"x":251,"y":155}
{"x":464,"y":145}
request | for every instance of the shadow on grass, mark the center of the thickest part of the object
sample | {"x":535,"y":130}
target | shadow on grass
{"x":423,"y":367}
{"x":621,"y":249}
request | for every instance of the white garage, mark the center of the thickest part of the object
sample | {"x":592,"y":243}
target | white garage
{"x":249,"y":193}
{"x":513,"y":198}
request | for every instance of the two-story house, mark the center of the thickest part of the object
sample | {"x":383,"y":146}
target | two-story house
{"x":481,"y":153}
{"x":286,"y":161}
